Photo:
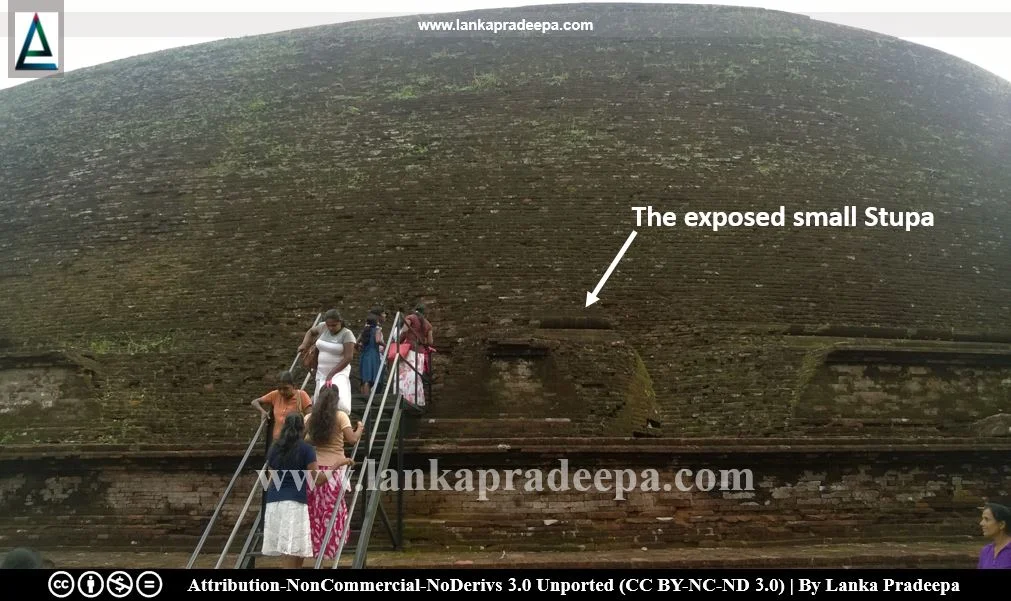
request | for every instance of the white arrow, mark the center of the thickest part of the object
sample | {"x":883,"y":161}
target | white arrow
{"x":591,"y":297}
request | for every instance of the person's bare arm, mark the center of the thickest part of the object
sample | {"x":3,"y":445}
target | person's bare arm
{"x":353,"y":436}
{"x":318,"y":475}
{"x":310,"y":335}
{"x":260,"y":404}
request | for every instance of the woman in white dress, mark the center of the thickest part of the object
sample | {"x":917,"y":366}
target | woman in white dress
{"x":336,"y":346}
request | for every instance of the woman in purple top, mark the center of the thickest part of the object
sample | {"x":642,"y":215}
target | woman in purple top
{"x":995,"y":524}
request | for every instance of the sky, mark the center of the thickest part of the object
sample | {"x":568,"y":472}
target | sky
{"x":978,"y":31}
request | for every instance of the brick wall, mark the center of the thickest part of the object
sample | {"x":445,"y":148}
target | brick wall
{"x":804,"y":494}
{"x":798,"y":497}
{"x":593,"y":378}
{"x":192,"y":210}
{"x":49,"y":398}
{"x":597,"y":388}
{"x":117,"y":501}
{"x":948,"y":390}
{"x":557,"y":382}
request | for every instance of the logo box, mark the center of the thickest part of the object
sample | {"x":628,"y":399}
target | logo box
{"x":35,"y":38}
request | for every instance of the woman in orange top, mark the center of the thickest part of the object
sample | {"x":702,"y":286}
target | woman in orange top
{"x":284,"y":400}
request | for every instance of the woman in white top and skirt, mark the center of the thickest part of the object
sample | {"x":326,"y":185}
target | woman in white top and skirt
{"x":336,"y":346}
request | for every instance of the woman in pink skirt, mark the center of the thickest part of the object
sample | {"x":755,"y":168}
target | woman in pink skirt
{"x":328,"y":429}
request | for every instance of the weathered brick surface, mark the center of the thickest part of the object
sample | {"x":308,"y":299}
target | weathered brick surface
{"x":799,"y":497}
{"x":123,"y":503}
{"x":949,"y":390}
{"x":885,"y":555}
{"x":594,"y":379}
{"x":187,"y":213}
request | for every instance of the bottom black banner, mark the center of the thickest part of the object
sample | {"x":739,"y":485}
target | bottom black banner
{"x":786,"y":583}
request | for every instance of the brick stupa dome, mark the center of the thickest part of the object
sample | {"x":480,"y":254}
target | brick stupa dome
{"x":170,"y":223}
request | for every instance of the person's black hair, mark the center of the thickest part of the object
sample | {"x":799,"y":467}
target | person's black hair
{"x":333,"y":314}
{"x":286,"y":377}
{"x":283,"y":450}
{"x":368,"y":332}
{"x":22,"y":559}
{"x":1001,"y":513}
{"x":324,"y":416}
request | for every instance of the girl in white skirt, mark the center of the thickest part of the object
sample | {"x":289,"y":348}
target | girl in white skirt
{"x":292,"y":465}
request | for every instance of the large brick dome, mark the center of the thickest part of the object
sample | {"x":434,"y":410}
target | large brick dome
{"x":173,"y":221}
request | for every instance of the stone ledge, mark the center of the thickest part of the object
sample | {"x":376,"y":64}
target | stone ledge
{"x":895,"y":334}
{"x":950,"y":355}
{"x":709,"y":445}
{"x":598,"y":446}
{"x":52,"y":358}
{"x":890,"y":555}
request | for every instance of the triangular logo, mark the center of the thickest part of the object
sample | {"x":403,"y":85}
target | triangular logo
{"x":22,"y":65}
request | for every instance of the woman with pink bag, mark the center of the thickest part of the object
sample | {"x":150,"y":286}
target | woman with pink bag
{"x":414,"y":343}
{"x":335,"y":344}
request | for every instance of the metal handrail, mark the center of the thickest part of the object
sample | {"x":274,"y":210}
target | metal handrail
{"x":260,"y":515}
{"x":294,"y":362}
{"x":305,"y":381}
{"x":249,"y":539}
{"x":361,"y":474}
{"x":224,"y":496}
{"x":394,"y":425}
{"x":308,"y":373}
{"x":361,"y":550}
{"x":373,"y":503}
{"x":382,"y":402}
{"x":238,"y":523}
{"x":331,"y":522}
{"x":235,"y":476}
{"x":420,"y":375}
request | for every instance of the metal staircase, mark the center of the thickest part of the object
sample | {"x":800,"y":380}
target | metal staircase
{"x":373,"y":454}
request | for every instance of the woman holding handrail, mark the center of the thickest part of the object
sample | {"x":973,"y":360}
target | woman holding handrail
{"x":328,"y":430}
{"x":416,"y":333}
{"x":284,"y":400}
{"x":336,"y":346}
